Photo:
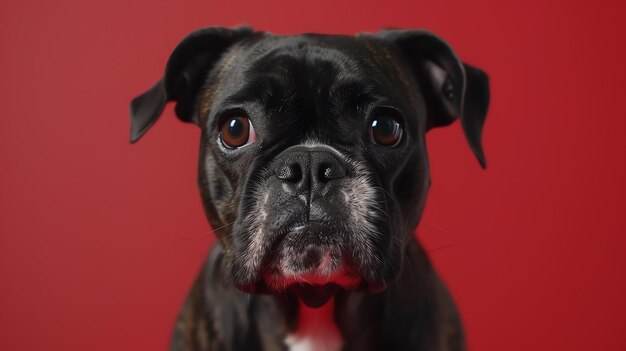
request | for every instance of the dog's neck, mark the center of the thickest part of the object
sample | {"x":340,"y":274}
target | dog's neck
{"x":316,"y":329}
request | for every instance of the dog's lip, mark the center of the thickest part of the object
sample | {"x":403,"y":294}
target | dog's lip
{"x":376,"y":287}
{"x":342,"y":277}
{"x":261,"y":287}
{"x":312,"y":295}
{"x":252,"y":288}
{"x":346,"y":277}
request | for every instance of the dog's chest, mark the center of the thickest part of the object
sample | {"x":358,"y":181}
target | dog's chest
{"x":316,"y":330}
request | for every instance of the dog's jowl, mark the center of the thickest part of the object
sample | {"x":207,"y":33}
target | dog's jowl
{"x":314,"y":174}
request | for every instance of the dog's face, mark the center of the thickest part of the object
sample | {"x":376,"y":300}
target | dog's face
{"x":313,"y":163}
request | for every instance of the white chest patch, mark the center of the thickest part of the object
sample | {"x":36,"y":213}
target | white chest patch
{"x":317,"y":330}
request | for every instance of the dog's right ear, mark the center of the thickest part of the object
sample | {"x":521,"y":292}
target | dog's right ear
{"x":452,"y":88}
{"x":185,"y":73}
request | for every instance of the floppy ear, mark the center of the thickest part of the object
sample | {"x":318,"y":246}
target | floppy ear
{"x":451,"y":88}
{"x":185,"y":73}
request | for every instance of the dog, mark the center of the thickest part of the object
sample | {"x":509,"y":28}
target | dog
{"x":313,"y":172}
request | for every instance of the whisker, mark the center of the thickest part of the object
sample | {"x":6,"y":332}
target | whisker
{"x":196,"y":236}
{"x":208,"y":233}
{"x":436,"y":227}
{"x":442,"y":247}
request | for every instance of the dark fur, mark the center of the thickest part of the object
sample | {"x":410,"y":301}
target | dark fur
{"x":323,"y":89}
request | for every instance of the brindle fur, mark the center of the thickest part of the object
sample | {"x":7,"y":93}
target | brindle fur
{"x":416,"y":311}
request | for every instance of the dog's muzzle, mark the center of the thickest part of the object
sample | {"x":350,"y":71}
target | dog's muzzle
{"x":307,"y":232}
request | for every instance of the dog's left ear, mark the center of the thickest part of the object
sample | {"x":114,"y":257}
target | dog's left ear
{"x":185,"y":73}
{"x":451,"y":88}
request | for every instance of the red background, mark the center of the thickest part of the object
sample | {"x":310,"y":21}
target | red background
{"x":100,"y":240}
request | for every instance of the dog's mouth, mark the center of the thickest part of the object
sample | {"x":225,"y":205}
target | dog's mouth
{"x":311,"y":262}
{"x":314,"y":296}
{"x":313,"y":289}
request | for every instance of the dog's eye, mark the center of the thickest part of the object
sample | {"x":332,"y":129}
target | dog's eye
{"x":237,"y":131}
{"x":385,"y":130}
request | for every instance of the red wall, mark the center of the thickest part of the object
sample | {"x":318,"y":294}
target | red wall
{"x":100,"y":240}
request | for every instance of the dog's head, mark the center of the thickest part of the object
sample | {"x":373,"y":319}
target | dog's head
{"x":313,"y":163}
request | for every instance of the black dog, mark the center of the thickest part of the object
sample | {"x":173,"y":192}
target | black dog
{"x":314,"y":174}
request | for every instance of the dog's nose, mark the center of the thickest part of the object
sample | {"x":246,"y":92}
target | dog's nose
{"x":307,"y":169}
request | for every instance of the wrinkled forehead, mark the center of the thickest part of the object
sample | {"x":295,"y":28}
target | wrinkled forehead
{"x":342,"y":57}
{"x":341,"y":68}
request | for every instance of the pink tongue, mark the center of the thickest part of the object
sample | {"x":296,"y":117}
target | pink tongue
{"x":314,"y":296}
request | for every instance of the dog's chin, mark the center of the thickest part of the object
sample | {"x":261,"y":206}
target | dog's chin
{"x":311,"y":265}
